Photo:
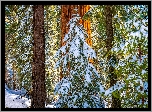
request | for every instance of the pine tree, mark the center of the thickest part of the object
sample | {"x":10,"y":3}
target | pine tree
{"x":80,"y":85}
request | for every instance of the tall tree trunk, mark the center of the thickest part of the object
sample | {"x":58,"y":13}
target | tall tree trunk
{"x":38,"y":69}
{"x":66,"y":15}
{"x":14,"y":78}
{"x":116,"y":103}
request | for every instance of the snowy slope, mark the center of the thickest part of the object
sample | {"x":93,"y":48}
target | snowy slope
{"x":14,"y":100}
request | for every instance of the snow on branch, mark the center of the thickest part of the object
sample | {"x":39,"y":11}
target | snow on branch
{"x":116,"y":86}
{"x":77,"y":53}
{"x":63,"y":86}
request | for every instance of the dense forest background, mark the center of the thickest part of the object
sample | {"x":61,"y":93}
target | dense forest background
{"x":117,"y":33}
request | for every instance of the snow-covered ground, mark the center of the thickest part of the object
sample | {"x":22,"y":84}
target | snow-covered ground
{"x":13,"y":99}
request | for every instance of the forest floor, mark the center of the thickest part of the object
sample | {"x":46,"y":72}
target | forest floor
{"x":14,"y":100}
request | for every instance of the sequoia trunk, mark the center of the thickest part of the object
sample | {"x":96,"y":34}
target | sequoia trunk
{"x":66,"y":15}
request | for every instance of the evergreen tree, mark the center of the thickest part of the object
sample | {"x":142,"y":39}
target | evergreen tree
{"x":80,"y":85}
{"x":130,"y":27}
{"x":66,"y":15}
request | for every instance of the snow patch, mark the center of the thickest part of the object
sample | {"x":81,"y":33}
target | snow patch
{"x":63,"y":49}
{"x":101,"y":88}
{"x":66,"y":37}
{"x":14,"y":100}
{"x":87,"y":76}
{"x":116,"y":86}
{"x":63,"y":86}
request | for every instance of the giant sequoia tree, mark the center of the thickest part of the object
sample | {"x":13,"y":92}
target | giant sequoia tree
{"x":38,"y":68}
{"x":66,"y":15}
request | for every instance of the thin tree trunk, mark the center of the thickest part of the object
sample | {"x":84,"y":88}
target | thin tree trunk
{"x":116,"y":103}
{"x":6,"y":72}
{"x":140,"y":58}
{"x":6,"y":76}
{"x":14,"y":78}
{"x":38,"y":69}
{"x":66,"y":15}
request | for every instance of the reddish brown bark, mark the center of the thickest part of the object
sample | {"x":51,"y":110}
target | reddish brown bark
{"x":66,"y":15}
{"x":14,"y":78}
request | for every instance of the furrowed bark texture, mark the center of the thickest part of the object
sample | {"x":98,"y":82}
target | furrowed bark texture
{"x":38,"y":67}
{"x":66,"y":15}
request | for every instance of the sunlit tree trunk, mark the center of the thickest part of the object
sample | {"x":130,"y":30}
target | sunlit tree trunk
{"x":38,"y":67}
{"x":14,"y":78}
{"x":116,"y":103}
{"x":6,"y":76}
{"x":66,"y":15}
{"x":6,"y":73}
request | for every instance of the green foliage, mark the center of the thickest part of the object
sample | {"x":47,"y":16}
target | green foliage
{"x":130,"y":27}
{"x":18,"y":45}
{"x":18,"y":42}
{"x":127,"y":19}
{"x":52,"y":41}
